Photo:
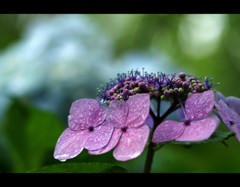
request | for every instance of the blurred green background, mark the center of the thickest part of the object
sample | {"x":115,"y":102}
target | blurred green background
{"x":49,"y":61}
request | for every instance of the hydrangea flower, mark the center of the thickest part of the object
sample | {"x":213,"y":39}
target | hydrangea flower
{"x":130,"y":133}
{"x":229,"y":111}
{"x":125,"y":124}
{"x":87,"y":129}
{"x":195,"y":126}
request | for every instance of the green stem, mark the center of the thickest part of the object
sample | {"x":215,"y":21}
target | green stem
{"x":149,"y":159}
{"x":157,"y":120}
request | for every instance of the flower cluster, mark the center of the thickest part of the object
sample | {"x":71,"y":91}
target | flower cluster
{"x":160,"y":84}
{"x":99,"y":129}
{"x":124,"y":124}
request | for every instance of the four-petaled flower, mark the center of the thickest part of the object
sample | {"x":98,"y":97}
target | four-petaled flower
{"x":195,"y":126}
{"x":130,"y":133}
{"x":87,"y":129}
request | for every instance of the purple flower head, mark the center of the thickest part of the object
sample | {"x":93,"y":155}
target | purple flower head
{"x":195,"y":125}
{"x":229,"y":111}
{"x":87,"y":129}
{"x":160,"y":84}
{"x":130,"y":134}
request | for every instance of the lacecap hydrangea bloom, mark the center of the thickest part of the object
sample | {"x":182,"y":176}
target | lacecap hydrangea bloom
{"x":129,"y":123}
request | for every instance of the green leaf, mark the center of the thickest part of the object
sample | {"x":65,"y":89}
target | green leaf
{"x":30,"y":133}
{"x":217,"y":136}
{"x":85,"y":167}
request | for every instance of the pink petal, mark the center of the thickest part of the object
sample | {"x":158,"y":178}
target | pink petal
{"x":229,"y":115}
{"x":111,"y":144}
{"x":69,"y":144}
{"x":199,"y":130}
{"x":84,"y":113}
{"x":117,"y":113}
{"x":199,"y":105}
{"x":167,"y":131}
{"x":99,"y":137}
{"x":139,"y":106}
{"x":132,"y":143}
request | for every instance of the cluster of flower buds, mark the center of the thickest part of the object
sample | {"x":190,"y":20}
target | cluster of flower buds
{"x":156,"y":85}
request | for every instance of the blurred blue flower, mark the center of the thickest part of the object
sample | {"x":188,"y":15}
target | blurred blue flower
{"x":55,"y":55}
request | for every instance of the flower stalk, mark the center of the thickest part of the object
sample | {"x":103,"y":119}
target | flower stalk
{"x":157,"y":120}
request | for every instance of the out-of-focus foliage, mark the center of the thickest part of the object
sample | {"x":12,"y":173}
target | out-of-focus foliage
{"x":28,"y":135}
{"x":49,"y":61}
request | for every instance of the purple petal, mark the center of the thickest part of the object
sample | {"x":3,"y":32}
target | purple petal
{"x":132,"y":143}
{"x":117,"y":113}
{"x":149,"y":121}
{"x":69,"y":144}
{"x":220,"y":96}
{"x":199,"y":105}
{"x":199,"y":130}
{"x":139,"y":106}
{"x":180,"y":114}
{"x":229,"y":117}
{"x":167,"y":131}
{"x":111,"y":144}
{"x":99,"y":137}
{"x":234,"y":103}
{"x":84,"y":113}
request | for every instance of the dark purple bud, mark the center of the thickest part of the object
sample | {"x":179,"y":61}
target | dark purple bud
{"x":185,"y":84}
{"x":166,"y":93}
{"x":113,"y":97}
{"x":141,"y":84}
{"x":192,"y":78}
{"x":179,"y":83}
{"x":197,"y":88}
{"x":126,"y":86}
{"x":125,"y":83}
{"x":147,"y":88}
{"x":134,"y":84}
{"x":182,"y":75}
{"x":115,"y":88}
{"x":110,"y":92}
{"x":125,"y":90}
{"x":132,"y":92}
{"x":198,"y":81}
